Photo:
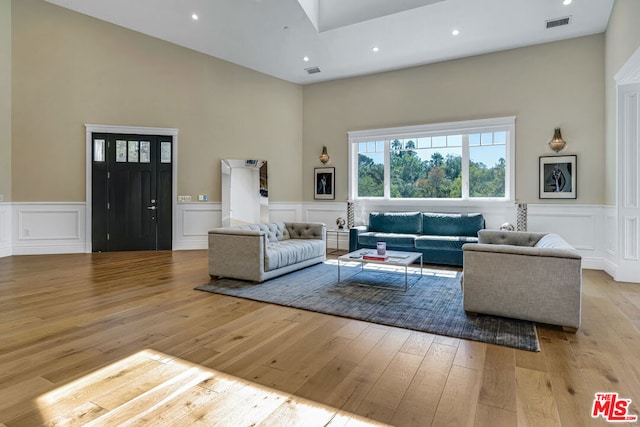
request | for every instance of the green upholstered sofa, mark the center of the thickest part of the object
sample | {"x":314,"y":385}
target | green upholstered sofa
{"x":438,"y":236}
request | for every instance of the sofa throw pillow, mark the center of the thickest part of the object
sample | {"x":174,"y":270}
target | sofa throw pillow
{"x":441,"y":224}
{"x":395,"y":222}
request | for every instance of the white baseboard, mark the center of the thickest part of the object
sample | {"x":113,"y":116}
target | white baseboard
{"x":626,"y":276}
{"x":5,"y":251}
{"x":52,"y":249}
{"x":592,"y":263}
{"x":609,"y":267}
{"x":191,"y":246}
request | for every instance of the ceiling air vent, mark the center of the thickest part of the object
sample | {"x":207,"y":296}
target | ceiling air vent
{"x":558,"y":22}
{"x":312,"y":70}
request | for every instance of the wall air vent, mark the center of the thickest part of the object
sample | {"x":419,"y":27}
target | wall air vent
{"x":312,"y":70}
{"x":552,"y":23}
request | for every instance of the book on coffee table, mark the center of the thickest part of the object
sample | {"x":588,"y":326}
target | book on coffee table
{"x":376,"y":257}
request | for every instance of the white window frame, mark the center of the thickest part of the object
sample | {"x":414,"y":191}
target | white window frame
{"x":430,"y":130}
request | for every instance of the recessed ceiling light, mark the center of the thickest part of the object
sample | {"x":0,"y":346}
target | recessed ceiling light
{"x":567,"y":2}
{"x":455,"y":32}
{"x":194,"y":16}
{"x":305,"y":59}
{"x":375,"y":49}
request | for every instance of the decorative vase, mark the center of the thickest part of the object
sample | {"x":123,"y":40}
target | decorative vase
{"x":521,"y":218}
{"x":350,"y":215}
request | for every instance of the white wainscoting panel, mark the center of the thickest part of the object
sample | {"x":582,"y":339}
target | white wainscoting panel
{"x":610,"y":240}
{"x":5,"y":230}
{"x":631,"y":240}
{"x":193,"y":222}
{"x":51,"y":228}
{"x":290,"y":212}
{"x":610,"y":230}
{"x":48,"y":228}
{"x":327,"y":213}
{"x":581,"y":226}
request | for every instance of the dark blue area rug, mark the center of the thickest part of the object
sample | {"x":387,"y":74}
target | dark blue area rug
{"x":432,"y":304}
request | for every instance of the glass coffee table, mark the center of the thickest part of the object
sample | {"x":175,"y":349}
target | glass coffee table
{"x":395,"y":258}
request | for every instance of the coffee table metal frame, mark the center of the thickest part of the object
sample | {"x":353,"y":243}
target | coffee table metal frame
{"x":396,"y":258}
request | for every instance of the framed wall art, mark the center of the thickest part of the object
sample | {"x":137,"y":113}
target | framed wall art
{"x":325,"y":184}
{"x":558,"y":177}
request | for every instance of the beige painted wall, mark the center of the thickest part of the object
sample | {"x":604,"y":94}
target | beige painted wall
{"x":622,"y":40}
{"x":545,"y":86}
{"x":5,"y":99}
{"x":69,"y":69}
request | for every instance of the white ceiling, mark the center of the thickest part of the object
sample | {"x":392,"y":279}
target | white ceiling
{"x":273,"y":36}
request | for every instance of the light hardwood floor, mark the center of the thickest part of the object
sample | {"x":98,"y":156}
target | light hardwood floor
{"x":122,"y":338}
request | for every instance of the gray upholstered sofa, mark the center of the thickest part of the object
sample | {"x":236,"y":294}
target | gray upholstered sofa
{"x":439,"y":236}
{"x":530,"y":276}
{"x":258,"y":252}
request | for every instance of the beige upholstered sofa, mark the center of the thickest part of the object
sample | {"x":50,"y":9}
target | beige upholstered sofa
{"x":259,"y":252}
{"x":530,"y":276}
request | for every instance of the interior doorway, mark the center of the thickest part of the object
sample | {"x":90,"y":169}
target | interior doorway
{"x":131,"y":187}
{"x":628,"y":197}
{"x":627,"y":249}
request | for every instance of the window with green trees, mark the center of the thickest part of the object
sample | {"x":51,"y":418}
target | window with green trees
{"x":460,"y":160}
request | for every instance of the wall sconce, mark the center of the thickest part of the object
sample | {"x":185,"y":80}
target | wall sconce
{"x":324,"y":157}
{"x":557,"y":143}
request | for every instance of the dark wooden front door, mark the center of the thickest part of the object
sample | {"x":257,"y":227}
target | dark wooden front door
{"x":131,"y":192}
